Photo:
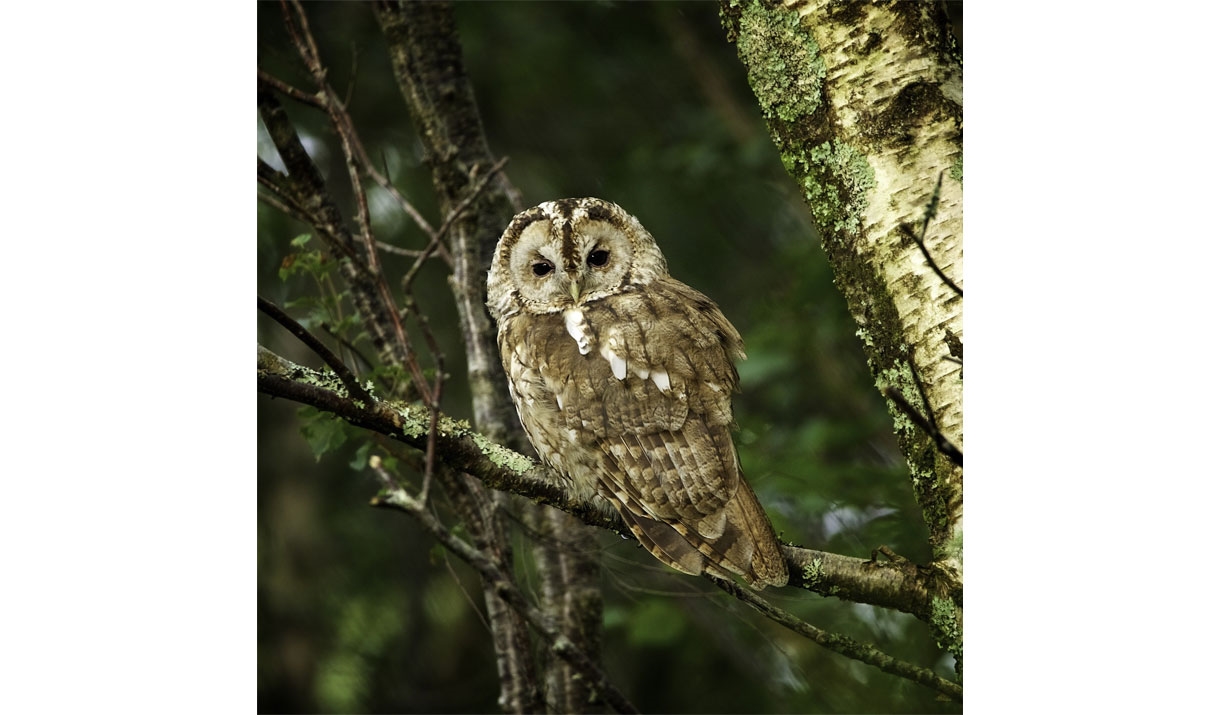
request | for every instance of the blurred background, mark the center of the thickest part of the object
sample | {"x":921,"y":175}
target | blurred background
{"x":646,"y":105}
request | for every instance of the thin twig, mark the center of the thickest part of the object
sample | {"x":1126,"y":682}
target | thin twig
{"x":289,"y":91}
{"x":450,"y":219}
{"x":929,"y":213}
{"x":280,"y":185}
{"x":942,"y":442}
{"x":394,"y":496}
{"x":330,"y":330}
{"x":353,"y":148}
{"x":303,"y":186}
{"x":408,"y":252}
{"x":383,"y":181}
{"x":354,"y":388}
{"x":308,"y":50}
{"x":282,"y":207}
{"x":888,"y":553}
{"x":434,"y":413}
{"x":842,"y":644}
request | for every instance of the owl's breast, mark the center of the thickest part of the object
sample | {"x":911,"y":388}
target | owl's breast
{"x":541,"y":359}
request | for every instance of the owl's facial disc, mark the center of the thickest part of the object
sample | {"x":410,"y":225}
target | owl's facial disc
{"x":597,"y":256}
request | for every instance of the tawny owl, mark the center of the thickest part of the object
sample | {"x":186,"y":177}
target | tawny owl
{"x":622,"y":377}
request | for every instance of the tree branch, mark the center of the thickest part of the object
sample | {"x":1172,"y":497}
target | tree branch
{"x":841,"y":644}
{"x":396,"y":497}
{"x":354,"y":388}
{"x":902,"y":586}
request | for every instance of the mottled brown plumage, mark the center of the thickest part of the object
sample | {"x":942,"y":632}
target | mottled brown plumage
{"x":622,"y":377}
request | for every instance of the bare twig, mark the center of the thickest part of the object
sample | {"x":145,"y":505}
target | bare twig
{"x":289,"y":91}
{"x":383,"y":181}
{"x":946,"y":447}
{"x":308,"y":50}
{"x":355,"y":351}
{"x":354,"y":388}
{"x":354,"y":150}
{"x":888,"y":553}
{"x":929,"y":213}
{"x":439,"y":235}
{"x":434,"y":413}
{"x":841,"y":644}
{"x":408,"y":252}
{"x":395,"y":496}
{"x":942,"y":443}
{"x":284,"y":208}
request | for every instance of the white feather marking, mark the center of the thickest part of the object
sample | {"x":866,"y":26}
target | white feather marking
{"x":661,"y":379}
{"x":714,"y":386}
{"x":559,"y":401}
{"x":641,"y":372}
{"x":574,"y":321}
{"x":618,"y":366}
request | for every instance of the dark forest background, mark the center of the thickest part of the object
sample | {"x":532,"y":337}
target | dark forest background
{"x":646,"y":105}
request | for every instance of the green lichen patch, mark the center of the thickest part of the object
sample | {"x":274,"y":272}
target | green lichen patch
{"x":946,"y":627}
{"x":782,"y":62}
{"x":502,"y":456}
{"x":812,"y":572}
{"x":836,"y":179}
{"x":415,"y":423}
{"x":951,"y":549}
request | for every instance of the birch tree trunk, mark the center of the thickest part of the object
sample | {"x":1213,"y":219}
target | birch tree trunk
{"x":864,"y":103}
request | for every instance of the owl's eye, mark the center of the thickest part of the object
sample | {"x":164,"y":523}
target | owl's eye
{"x":541,"y":268}
{"x":599,"y":257}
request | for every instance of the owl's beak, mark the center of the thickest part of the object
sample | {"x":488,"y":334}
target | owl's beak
{"x":574,"y":290}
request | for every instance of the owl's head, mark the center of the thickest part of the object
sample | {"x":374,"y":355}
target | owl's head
{"x":567,"y":253}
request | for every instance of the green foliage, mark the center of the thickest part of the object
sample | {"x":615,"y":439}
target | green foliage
{"x":361,"y":459}
{"x":366,"y":626}
{"x":322,"y":431}
{"x":302,"y":262}
{"x":655,"y":623}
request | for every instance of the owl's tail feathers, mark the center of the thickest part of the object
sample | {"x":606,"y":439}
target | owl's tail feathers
{"x":664,"y":543}
{"x":748,"y":545}
{"x":745,"y":545}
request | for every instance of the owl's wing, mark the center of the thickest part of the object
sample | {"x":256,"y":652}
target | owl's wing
{"x":654,"y":397}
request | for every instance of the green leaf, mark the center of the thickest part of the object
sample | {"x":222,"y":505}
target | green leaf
{"x":301,"y":240}
{"x":322,"y":431}
{"x":361,"y":460}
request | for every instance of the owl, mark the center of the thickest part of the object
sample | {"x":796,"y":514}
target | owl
{"x":622,"y":377}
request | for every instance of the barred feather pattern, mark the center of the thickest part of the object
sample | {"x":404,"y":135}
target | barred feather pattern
{"x":623,"y":377}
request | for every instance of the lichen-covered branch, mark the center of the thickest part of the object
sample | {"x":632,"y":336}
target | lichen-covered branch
{"x":841,"y":644}
{"x":899,"y":585}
